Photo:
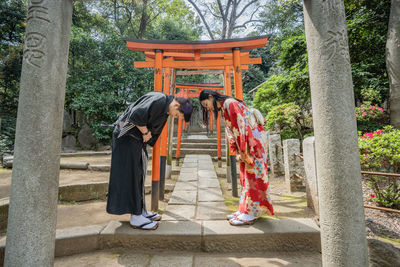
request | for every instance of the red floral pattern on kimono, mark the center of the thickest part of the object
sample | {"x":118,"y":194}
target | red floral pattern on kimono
{"x":254,"y":199}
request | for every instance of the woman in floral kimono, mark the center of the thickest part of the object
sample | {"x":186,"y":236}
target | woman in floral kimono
{"x":246,"y":141}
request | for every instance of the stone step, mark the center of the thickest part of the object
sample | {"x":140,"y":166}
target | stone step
{"x":199,"y":141}
{"x":198,"y":151}
{"x":216,"y":236}
{"x":199,"y":145}
{"x":208,"y":236}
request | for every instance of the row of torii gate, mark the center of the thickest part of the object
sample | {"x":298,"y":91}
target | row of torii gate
{"x":197,"y":58}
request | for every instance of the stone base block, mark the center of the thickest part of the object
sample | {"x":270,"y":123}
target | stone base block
{"x":75,"y":240}
{"x":173,"y":235}
{"x":268,"y":235}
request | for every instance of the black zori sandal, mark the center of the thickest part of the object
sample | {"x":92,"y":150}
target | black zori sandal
{"x":154,"y":217}
{"x":144,"y":224}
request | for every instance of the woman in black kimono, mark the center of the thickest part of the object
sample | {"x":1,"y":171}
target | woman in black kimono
{"x":139,"y":125}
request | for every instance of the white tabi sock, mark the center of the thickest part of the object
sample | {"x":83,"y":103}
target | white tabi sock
{"x":245,"y":217}
{"x":138,"y":220}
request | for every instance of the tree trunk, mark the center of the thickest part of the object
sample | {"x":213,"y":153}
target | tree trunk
{"x":143,"y":21}
{"x":232,"y":20}
{"x":393,"y":62}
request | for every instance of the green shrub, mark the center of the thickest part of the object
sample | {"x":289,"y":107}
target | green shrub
{"x":267,"y":95}
{"x":285,"y":120}
{"x":7,"y":134}
{"x":380,"y":151}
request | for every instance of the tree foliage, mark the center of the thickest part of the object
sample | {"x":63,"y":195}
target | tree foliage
{"x":288,"y":76}
{"x":12,"y":28}
{"x":102,"y":79}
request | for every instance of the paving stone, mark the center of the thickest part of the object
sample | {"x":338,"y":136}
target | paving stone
{"x":188,"y":170}
{"x":188,"y":176}
{"x":190,"y":156}
{"x":206,"y":166}
{"x":186,"y":165}
{"x":208,"y":174}
{"x":183,"y":197}
{"x":211,"y":211}
{"x":190,"y":160}
{"x":173,"y":235}
{"x":210,"y":194}
{"x":206,"y":183}
{"x":204,"y":261}
{"x":260,"y":259}
{"x":203,"y":162}
{"x":185,"y":186}
{"x":169,"y":261}
{"x":204,"y":157}
{"x":179,"y":213}
{"x":270,"y":235}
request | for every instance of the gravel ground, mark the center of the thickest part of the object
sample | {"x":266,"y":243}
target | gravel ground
{"x":380,"y":223}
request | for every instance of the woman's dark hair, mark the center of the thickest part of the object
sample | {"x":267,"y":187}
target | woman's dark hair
{"x":186,"y":107}
{"x":216,"y":97}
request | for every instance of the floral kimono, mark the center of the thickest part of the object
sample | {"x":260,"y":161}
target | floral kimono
{"x":254,"y":199}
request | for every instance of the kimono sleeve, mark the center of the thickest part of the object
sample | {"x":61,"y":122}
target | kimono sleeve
{"x":148,"y":108}
{"x":238,"y":125}
{"x":231,"y":140}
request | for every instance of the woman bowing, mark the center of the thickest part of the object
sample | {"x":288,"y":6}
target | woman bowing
{"x":245,"y":138}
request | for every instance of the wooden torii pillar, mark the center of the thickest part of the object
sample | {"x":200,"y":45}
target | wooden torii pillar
{"x":231,"y":170}
{"x":192,"y":55}
{"x":164,"y":139}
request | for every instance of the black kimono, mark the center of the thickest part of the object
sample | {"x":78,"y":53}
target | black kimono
{"x":129,"y":156}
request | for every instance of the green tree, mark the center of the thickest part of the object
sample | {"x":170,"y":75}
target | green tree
{"x":12,"y":27}
{"x":102,"y":79}
{"x":367,"y":30}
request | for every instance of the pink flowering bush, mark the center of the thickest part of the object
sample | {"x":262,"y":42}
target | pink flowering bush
{"x":369,"y":117}
{"x":368,"y":112}
{"x":380,"y":152}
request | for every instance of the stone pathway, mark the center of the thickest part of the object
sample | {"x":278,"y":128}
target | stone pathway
{"x":197,"y":194}
{"x":194,"y":232}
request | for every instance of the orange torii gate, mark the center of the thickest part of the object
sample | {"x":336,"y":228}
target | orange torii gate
{"x":223,"y":54}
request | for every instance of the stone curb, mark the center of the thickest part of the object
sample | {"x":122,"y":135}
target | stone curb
{"x":85,"y":153}
{"x":107,"y":167}
{"x":208,"y":236}
{"x":71,"y":193}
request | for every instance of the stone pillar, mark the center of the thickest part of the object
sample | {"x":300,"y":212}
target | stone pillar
{"x":275,"y":155}
{"x":292,"y":165}
{"x":34,"y":187}
{"x":310,"y":170}
{"x":393,"y":62}
{"x":267,"y":152}
{"x":336,"y":142}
